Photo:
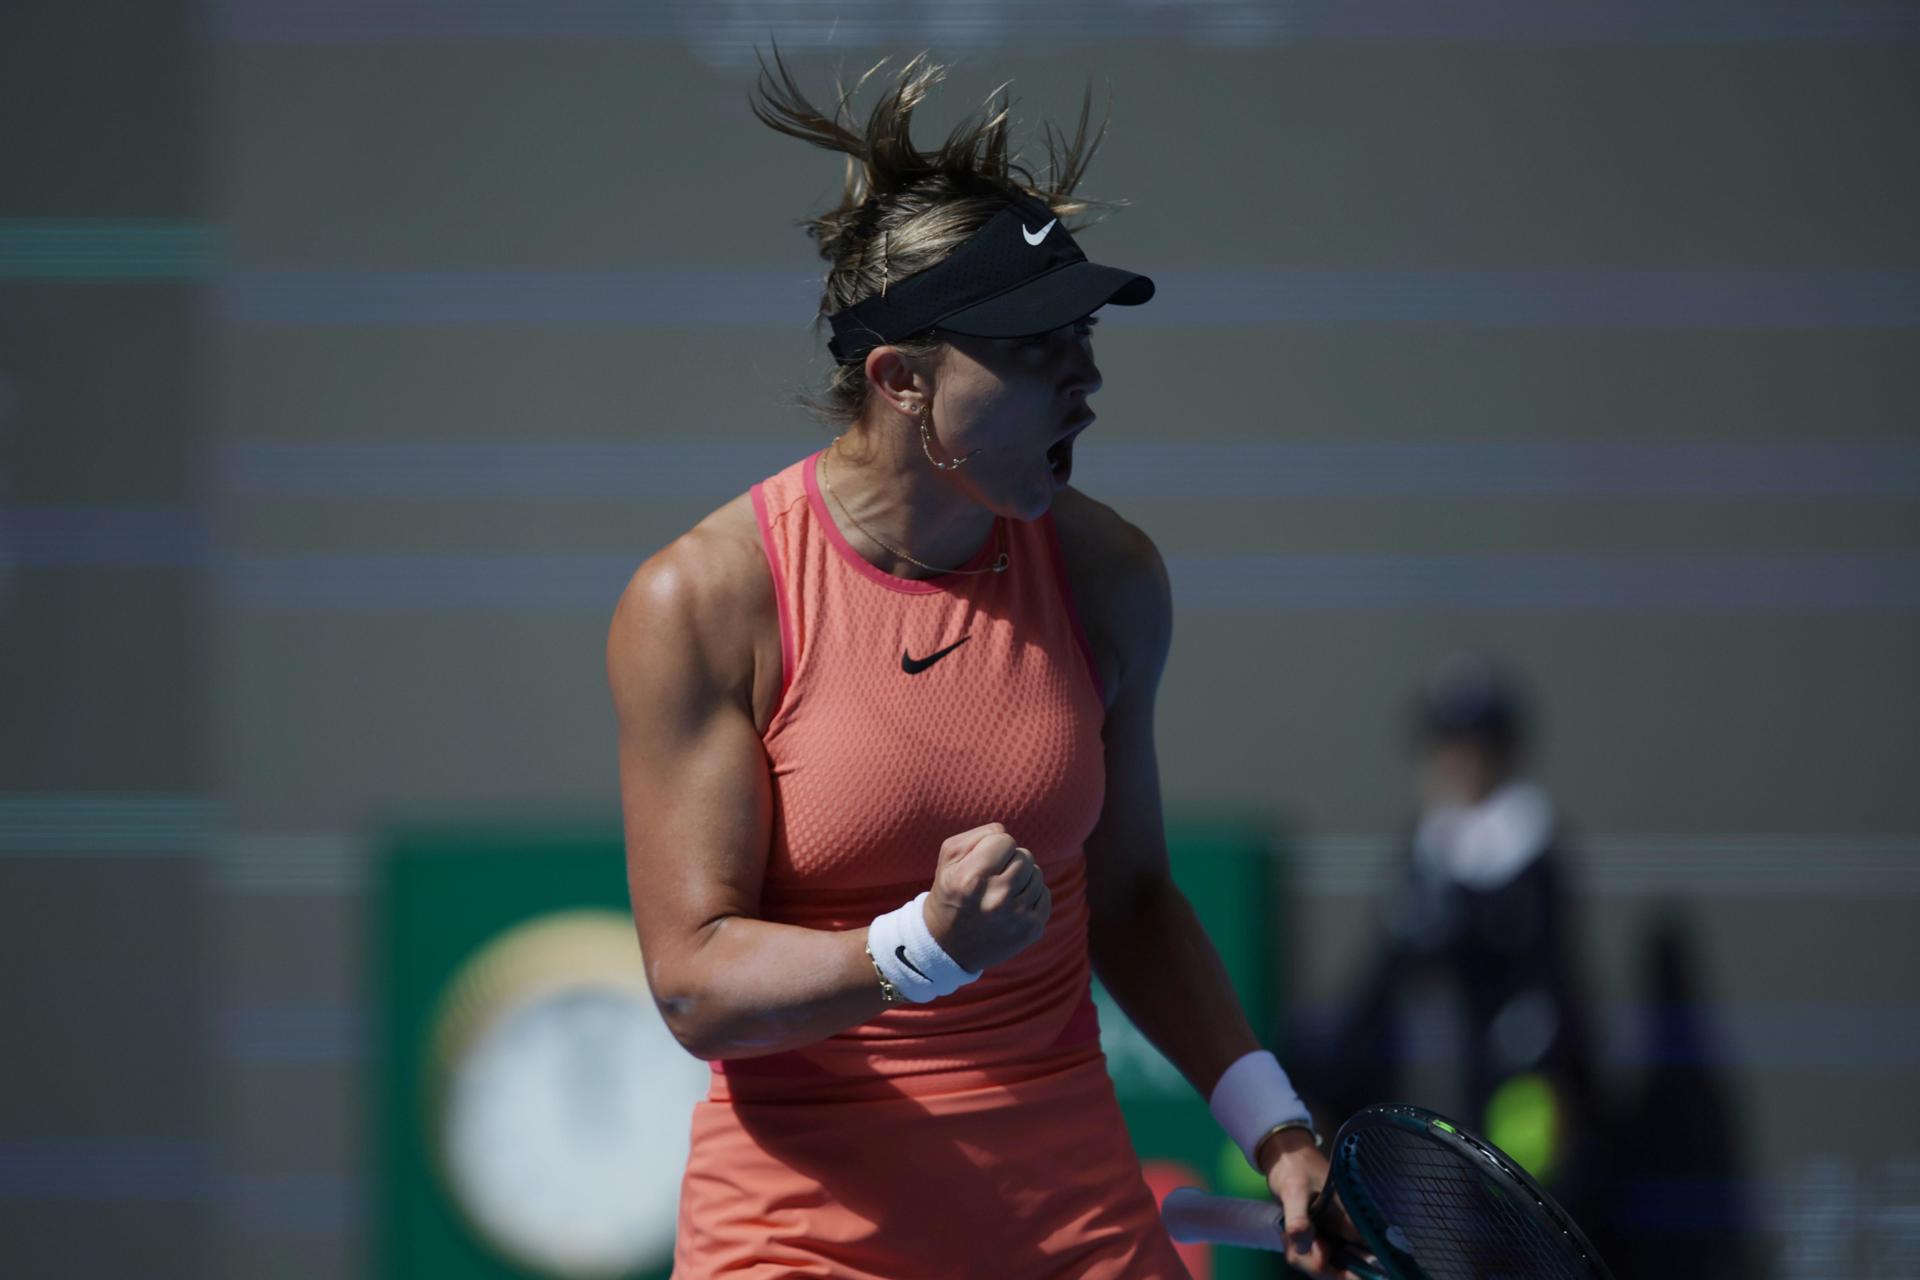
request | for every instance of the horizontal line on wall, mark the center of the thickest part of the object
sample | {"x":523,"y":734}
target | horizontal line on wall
{"x":1825,"y":582}
{"x":96,"y":249}
{"x":319,"y":862}
{"x":695,"y":298}
{"x":1775,"y":582}
{"x":291,"y":1204}
{"x":727,"y":35}
{"x":720,"y":298}
{"x":1715,"y":865}
{"x":1196,"y":470}
{"x":102,"y":536}
{"x":105,"y":1168}
{"x":1624,"y":582}
{"x":333,"y":862}
{"x":1632,"y":1034}
{"x":97,"y":1170}
{"x":107,"y":823}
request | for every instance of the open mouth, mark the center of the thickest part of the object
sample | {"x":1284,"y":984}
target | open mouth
{"x":1060,"y":458}
{"x":1060,"y":453}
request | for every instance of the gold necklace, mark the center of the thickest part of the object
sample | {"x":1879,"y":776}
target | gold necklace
{"x":999,"y":564}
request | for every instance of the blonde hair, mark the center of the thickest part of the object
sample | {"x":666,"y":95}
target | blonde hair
{"x":903,"y":210}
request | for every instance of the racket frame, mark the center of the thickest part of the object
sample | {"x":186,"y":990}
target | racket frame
{"x":1371,"y":1223}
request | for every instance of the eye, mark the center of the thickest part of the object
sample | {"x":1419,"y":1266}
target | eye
{"x":1082,"y":328}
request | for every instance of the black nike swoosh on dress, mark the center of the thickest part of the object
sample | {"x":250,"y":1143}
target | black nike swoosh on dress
{"x":914,"y":666}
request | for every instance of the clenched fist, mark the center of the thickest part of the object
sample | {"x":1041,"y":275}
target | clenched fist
{"x":989,"y":900}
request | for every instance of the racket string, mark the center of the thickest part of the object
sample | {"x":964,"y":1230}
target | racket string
{"x":1457,"y":1222}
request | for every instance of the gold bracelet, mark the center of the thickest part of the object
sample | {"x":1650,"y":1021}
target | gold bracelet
{"x":886,"y":988}
{"x":1319,"y":1143}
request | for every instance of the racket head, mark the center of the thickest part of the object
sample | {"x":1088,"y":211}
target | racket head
{"x":1434,"y":1201}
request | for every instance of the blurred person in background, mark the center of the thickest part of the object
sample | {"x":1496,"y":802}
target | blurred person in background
{"x":1482,"y":905}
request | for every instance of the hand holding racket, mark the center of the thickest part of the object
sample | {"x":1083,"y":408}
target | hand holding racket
{"x":1429,"y":1200}
{"x":1313,"y":1228}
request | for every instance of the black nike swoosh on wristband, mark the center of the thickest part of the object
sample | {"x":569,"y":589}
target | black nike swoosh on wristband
{"x":914,"y":666}
{"x":902,"y":953}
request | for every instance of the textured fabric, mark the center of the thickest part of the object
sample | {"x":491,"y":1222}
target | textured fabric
{"x":977,"y":1135}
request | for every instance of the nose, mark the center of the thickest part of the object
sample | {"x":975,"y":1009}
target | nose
{"x":1083,"y":374}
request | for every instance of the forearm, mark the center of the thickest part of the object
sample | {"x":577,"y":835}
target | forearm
{"x":1161,"y":968}
{"x":752,"y":987}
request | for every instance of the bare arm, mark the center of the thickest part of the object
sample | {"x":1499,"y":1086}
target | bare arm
{"x":697,"y":805}
{"x":1147,"y":945}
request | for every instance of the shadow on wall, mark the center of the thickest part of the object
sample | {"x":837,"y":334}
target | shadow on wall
{"x":1677,"y":1204}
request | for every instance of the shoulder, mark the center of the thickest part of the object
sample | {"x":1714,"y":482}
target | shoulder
{"x":701,"y":600}
{"x":1119,"y":581}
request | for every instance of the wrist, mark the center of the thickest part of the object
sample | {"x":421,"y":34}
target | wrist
{"x":1254,"y":1102}
{"x":1284,"y":1139}
{"x":908,"y":957}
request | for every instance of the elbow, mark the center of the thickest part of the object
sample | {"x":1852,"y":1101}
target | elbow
{"x":693,"y":1033}
{"x":709,"y":1017}
{"x":708,"y":1038}
{"x":685,"y":1009}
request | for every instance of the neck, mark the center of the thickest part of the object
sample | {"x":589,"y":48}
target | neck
{"x":886,"y":482}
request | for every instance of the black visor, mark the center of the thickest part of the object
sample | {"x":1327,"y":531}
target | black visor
{"x":1020,"y":274}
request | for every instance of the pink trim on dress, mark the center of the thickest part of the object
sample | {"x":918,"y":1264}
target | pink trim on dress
{"x":912,"y":586}
{"x":1059,"y":559}
{"x":761,"y":518}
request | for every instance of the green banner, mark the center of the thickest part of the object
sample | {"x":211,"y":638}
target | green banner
{"x":517,"y":1060}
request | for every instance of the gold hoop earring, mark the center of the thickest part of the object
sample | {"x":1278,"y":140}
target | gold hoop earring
{"x":926,"y":445}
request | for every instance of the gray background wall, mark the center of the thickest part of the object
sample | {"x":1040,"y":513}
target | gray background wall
{"x":350,"y":359}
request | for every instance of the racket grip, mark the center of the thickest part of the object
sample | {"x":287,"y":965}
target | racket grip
{"x":1194,"y":1217}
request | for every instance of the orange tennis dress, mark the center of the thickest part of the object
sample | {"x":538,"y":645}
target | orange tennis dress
{"x":977,"y":1135}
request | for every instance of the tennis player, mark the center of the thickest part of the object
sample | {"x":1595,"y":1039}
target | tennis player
{"x":888,"y":772}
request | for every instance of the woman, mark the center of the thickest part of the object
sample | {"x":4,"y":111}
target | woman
{"x":888,"y":773}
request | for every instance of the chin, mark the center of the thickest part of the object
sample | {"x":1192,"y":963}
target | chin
{"x":1036,"y":506}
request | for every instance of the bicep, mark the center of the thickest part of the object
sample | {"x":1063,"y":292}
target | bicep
{"x":696,"y":798}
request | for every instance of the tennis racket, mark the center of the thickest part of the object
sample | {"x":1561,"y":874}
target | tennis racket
{"x":1430,"y":1200}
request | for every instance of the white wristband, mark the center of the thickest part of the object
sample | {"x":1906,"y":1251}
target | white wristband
{"x":914,"y":963}
{"x":1252,"y":1097}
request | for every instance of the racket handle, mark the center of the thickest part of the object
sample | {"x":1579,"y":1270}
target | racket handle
{"x":1194,"y":1217}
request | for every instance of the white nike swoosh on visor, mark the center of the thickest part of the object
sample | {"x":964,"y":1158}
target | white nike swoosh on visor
{"x":1034,"y":237}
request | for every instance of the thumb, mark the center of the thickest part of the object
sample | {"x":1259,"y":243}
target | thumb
{"x":1299,"y":1231}
{"x":1295,"y":1199}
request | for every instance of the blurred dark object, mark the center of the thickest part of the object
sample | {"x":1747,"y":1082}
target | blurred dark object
{"x":1481,"y":902}
{"x":1678,"y":1198}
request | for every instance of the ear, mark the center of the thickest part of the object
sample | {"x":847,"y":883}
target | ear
{"x":889,"y":371}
